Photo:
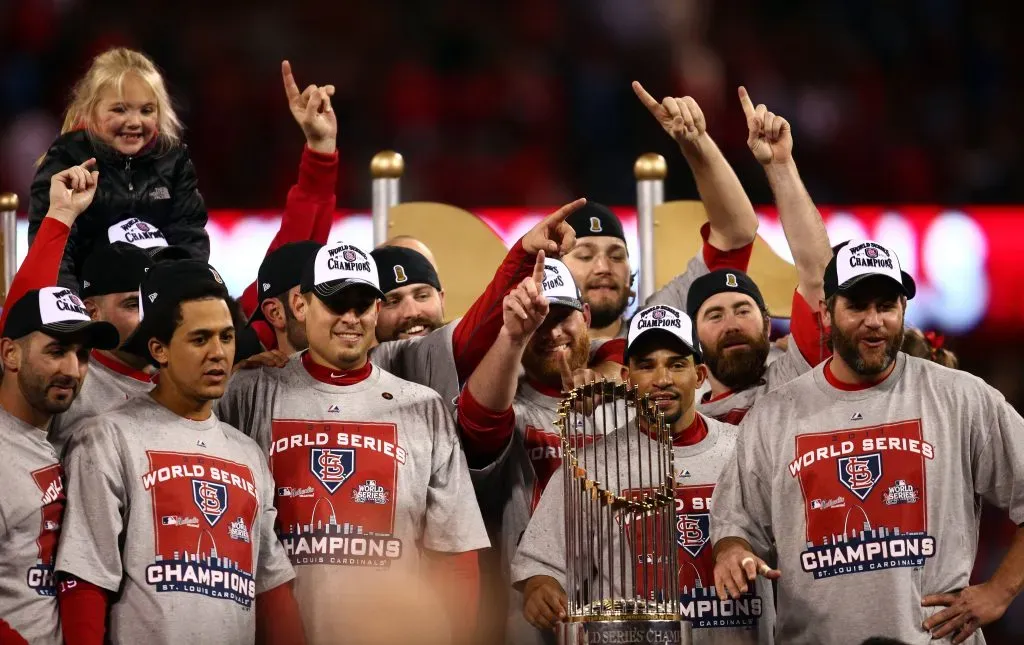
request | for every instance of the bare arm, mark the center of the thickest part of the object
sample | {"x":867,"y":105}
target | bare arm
{"x":770,"y":139}
{"x":730,"y":213}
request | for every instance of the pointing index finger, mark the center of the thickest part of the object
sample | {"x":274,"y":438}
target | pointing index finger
{"x":565,"y":370}
{"x":89,"y":164}
{"x":538,"y":270}
{"x":746,"y":103}
{"x":649,"y":101}
{"x":562,"y":213}
{"x":291,"y":89}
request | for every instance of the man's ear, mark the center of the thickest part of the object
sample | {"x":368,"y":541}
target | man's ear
{"x":298,"y":304}
{"x":702,"y":374}
{"x":273,"y":312}
{"x":159,"y":351}
{"x":10,"y":353}
{"x":624,"y":374}
{"x":440,"y":294}
{"x":826,"y":317}
{"x":91,"y":308}
{"x":586,"y":314}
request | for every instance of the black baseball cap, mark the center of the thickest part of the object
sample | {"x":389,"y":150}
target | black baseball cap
{"x":281,"y":270}
{"x":60,"y":313}
{"x":114,"y":268}
{"x":720,"y":281}
{"x":165,"y":287}
{"x":593,"y":219}
{"x":398,"y":266}
{"x":856,"y":260}
{"x":338,"y":266}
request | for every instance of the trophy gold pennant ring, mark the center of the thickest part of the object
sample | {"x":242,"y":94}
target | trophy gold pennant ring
{"x":622,"y":579}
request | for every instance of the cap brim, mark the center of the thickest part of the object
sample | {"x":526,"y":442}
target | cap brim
{"x":908,"y":286}
{"x":566,"y":302}
{"x":646,"y":333}
{"x":93,"y":334}
{"x":329,"y":290}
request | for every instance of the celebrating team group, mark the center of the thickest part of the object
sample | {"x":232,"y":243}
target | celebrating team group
{"x":326,"y":460}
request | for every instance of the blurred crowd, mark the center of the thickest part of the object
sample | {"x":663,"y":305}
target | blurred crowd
{"x":529,"y":102}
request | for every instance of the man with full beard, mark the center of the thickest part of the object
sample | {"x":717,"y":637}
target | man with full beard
{"x":906,"y":446}
{"x":413,"y":298}
{"x":508,"y":420}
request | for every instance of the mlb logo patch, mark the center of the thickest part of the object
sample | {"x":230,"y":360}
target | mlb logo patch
{"x":692,"y":532}
{"x":860,"y":473}
{"x":211,"y":498}
{"x":332,"y":466}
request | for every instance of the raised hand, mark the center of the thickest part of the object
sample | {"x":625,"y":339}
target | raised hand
{"x":681,"y":118}
{"x":768,"y":134}
{"x":525,"y":307}
{"x":552,"y":235}
{"x":312,"y":110}
{"x":72,"y":191}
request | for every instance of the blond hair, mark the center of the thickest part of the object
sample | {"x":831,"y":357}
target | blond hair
{"x":110,"y":69}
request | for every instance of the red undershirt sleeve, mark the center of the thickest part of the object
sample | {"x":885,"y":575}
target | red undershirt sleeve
{"x":715,"y":258}
{"x":83,"y":611}
{"x":805,"y":325}
{"x":478,"y":329}
{"x":41,"y":265}
{"x":484,"y":431}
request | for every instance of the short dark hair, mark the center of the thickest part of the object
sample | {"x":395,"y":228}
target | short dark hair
{"x":163,"y":328}
{"x":882,"y":640}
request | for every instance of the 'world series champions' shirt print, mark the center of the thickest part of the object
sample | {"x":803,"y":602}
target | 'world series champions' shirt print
{"x":50,"y":481}
{"x":865,"y":499}
{"x":335,"y":491}
{"x":204,"y":509}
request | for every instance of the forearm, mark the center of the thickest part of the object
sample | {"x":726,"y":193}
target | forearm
{"x":42,"y":262}
{"x":1009,"y":577}
{"x":803,"y":226}
{"x":730,"y":213}
{"x":494,"y":381}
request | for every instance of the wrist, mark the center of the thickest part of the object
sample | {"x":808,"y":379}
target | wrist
{"x":696,"y":151}
{"x":325,"y":146}
{"x":781,"y":169}
{"x":63,"y":216}
{"x":514,"y":341}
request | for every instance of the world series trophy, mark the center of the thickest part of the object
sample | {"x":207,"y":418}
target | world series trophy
{"x":622,"y":581}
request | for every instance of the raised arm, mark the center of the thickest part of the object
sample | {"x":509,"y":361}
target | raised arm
{"x":771,"y":141}
{"x":71,"y":192}
{"x":485,"y":407}
{"x":730,"y":213}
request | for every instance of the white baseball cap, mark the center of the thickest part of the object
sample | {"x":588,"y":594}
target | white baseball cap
{"x":856,"y":260}
{"x":60,"y":313}
{"x":144,"y":235}
{"x":665,"y":319}
{"x":338,"y":265}
{"x":559,"y":287}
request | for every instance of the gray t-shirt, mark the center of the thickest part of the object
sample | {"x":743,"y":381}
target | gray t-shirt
{"x":176,"y":517}
{"x":871,"y":497}
{"x":674,"y":292}
{"x":367,"y":475}
{"x":427,"y":360}
{"x":106,"y":386}
{"x":31,"y":510}
{"x":542,"y":550}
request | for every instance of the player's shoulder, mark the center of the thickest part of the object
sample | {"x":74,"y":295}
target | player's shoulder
{"x":921,"y":372}
{"x":245,"y":444}
{"x":113,"y":426}
{"x":725,"y":431}
{"x":786,"y":395}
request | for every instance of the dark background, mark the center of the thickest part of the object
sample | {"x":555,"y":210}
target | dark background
{"x":528,"y":102}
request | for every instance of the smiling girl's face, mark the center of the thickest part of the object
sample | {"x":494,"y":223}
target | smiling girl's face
{"x":126,"y":120}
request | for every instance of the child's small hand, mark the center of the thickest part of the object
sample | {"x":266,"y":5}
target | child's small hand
{"x":72,"y":191}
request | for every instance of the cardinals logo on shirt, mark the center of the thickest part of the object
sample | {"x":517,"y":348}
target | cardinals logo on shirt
{"x":345,"y":520}
{"x":50,"y":481}
{"x":332,"y":466}
{"x":885,"y":523}
{"x":202,"y":554}
{"x":699,"y":603}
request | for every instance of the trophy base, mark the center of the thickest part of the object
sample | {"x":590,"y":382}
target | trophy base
{"x":622,"y":632}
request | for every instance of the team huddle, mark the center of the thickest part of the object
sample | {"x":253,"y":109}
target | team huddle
{"x":179,"y":466}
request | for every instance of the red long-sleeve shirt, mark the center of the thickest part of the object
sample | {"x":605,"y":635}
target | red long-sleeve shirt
{"x":308,"y":215}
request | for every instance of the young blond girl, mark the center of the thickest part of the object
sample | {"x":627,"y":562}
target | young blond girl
{"x":121,"y":114}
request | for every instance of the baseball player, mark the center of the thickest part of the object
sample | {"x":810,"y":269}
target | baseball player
{"x":369,"y":472}
{"x":725,"y":304}
{"x":168,"y":534}
{"x":864,"y":476}
{"x":111,"y":276}
{"x":413,"y":244}
{"x":308,"y":215}
{"x":45,"y":343}
{"x":507,"y":420}
{"x":663,"y":362}
{"x":413,"y":302}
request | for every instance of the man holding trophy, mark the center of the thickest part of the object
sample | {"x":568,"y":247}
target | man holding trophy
{"x":618,"y":560}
